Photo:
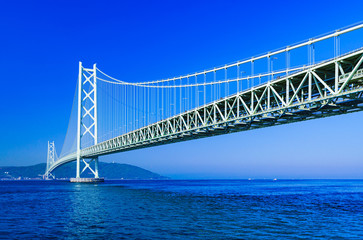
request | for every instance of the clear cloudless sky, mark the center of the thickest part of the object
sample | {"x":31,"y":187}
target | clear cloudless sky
{"x":42,"y":41}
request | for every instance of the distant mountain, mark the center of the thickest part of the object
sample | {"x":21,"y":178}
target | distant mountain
{"x":106,"y":170}
{"x":26,"y":172}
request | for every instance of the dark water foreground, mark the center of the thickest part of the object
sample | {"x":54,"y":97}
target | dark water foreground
{"x":218,"y":209}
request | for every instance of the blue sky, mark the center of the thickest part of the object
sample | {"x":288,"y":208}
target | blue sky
{"x":42,"y":42}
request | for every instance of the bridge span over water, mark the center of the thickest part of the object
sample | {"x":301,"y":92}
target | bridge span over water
{"x":308,"y":80}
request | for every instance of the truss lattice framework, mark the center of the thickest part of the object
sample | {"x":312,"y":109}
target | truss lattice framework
{"x":87,"y":115}
{"x":330,"y":88}
{"x":326,"y":89}
{"x":51,"y":158}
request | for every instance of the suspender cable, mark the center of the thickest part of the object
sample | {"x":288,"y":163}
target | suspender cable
{"x":187,"y":95}
{"x":157,"y":103}
{"x":175,"y":98}
{"x":237,"y":78}
{"x":162,"y":102}
{"x":252,"y":73}
{"x":226,"y":84}
{"x":180,"y":111}
{"x":205,"y":97}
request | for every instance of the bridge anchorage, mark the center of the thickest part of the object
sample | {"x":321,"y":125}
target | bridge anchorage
{"x":116,"y":116}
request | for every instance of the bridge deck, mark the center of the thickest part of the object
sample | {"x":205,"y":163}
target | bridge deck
{"x":326,"y":89}
{"x":318,"y":91}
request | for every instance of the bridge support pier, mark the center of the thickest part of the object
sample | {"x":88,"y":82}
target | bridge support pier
{"x":86,"y":180}
{"x":96,"y":167}
{"x":87,"y":165}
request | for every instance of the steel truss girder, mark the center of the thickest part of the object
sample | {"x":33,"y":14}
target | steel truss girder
{"x":297,"y":97}
{"x":306,"y":90}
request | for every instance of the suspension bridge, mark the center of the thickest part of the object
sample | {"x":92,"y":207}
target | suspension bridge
{"x":317,"y":78}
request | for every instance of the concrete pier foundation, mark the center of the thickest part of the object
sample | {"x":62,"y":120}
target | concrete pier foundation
{"x":87,"y":180}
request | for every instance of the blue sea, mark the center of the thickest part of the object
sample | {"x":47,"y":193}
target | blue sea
{"x":178,"y":209}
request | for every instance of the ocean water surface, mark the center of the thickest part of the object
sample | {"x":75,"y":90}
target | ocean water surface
{"x":177,"y":209}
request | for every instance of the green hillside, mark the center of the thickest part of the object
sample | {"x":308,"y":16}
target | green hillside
{"x":106,"y":170}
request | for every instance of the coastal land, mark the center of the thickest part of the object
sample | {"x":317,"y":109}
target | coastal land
{"x":107,"y":170}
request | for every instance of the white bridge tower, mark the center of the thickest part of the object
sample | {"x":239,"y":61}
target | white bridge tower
{"x":87,"y":118}
{"x":51,"y":158}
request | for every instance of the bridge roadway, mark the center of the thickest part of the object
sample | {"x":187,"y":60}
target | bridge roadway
{"x":325,"y":89}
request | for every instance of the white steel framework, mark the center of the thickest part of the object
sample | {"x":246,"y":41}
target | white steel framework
{"x":291,"y":94}
{"x":51,"y":158}
{"x":326,"y":89}
{"x":87,"y":116}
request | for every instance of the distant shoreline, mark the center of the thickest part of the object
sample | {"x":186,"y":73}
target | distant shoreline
{"x":65,"y":172}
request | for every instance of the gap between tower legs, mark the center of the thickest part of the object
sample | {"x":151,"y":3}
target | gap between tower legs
{"x":87,"y":165}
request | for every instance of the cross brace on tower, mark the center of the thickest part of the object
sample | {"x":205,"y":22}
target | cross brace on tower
{"x":51,"y":158}
{"x":87,"y":116}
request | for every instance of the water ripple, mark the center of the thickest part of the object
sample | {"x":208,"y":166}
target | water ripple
{"x":233,"y":209}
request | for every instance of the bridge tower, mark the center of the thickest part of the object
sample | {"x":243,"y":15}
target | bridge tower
{"x":87,"y":118}
{"x":50,"y":159}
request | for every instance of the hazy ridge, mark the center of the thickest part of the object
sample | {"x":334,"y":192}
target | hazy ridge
{"x":107,"y":170}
